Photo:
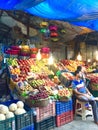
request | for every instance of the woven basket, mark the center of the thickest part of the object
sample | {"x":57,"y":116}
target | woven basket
{"x":94,"y":86}
{"x":37,"y":103}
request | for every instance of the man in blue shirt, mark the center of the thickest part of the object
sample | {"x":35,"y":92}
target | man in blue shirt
{"x":83,"y":94}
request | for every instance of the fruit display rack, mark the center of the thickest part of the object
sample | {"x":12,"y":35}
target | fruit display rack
{"x":32,"y":82}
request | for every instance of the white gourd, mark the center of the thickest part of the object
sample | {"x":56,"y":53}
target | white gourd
{"x":13,"y":107}
{"x":9,"y":115}
{"x":4,"y":109}
{"x":2,"y":117}
{"x":20,"y":104}
{"x":20,"y":111}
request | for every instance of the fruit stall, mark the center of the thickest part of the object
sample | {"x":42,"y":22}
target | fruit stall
{"x":33,"y":84}
{"x":31,"y":79}
{"x":66,"y":68}
{"x":40,"y":91}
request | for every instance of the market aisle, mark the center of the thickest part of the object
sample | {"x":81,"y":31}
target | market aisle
{"x":78,"y":124}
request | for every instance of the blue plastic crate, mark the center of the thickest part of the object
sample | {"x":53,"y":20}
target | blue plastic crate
{"x":7,"y":103}
{"x":47,"y":124}
{"x":62,"y":107}
{"x":31,"y":127}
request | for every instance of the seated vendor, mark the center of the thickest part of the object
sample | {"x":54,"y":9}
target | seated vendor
{"x":82,"y":93}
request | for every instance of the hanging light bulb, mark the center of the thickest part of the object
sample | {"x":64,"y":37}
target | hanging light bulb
{"x":89,"y":60}
{"x":38,"y":56}
{"x":50,"y":60}
{"x":96,"y":55}
{"x":79,"y":57}
{"x":20,"y":46}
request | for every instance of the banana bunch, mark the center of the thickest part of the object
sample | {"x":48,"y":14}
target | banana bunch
{"x":12,"y":62}
{"x":37,"y":83}
{"x":35,"y":69}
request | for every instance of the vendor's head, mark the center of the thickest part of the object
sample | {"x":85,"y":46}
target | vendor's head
{"x":79,"y":68}
{"x":77,"y":74}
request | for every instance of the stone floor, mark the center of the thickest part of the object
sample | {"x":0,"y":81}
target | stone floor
{"x":78,"y":124}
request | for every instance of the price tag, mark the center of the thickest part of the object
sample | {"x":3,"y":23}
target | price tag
{"x":60,"y":87}
{"x":4,"y":60}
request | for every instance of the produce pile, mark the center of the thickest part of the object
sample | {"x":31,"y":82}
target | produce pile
{"x":93,"y":80}
{"x":33,"y":82}
{"x":71,"y":65}
{"x":68,"y":75}
{"x":10,"y":111}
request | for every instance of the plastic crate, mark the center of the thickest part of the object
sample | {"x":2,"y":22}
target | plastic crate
{"x":8,"y":124}
{"x":47,"y":124}
{"x":24,"y":120}
{"x":64,"y":118}
{"x":31,"y":127}
{"x":62,"y":107}
{"x":45,"y":112}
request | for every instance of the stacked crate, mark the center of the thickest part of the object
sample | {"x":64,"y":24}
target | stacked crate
{"x":24,"y":121}
{"x":8,"y":124}
{"x":45,"y":117}
{"x":64,"y":112}
{"x":18,"y":122}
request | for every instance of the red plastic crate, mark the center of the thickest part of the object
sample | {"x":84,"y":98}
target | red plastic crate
{"x":45,"y":112}
{"x":64,"y":118}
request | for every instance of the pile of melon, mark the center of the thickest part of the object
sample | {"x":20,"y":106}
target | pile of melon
{"x":13,"y":109}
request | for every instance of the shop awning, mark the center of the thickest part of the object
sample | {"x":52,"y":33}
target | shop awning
{"x":77,"y":12}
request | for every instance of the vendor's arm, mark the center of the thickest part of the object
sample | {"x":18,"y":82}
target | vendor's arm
{"x":76,"y":92}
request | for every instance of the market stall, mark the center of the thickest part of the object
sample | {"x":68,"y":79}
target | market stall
{"x":34,"y":83}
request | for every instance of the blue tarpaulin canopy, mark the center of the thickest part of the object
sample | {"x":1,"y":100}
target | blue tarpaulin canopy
{"x":77,"y":12}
